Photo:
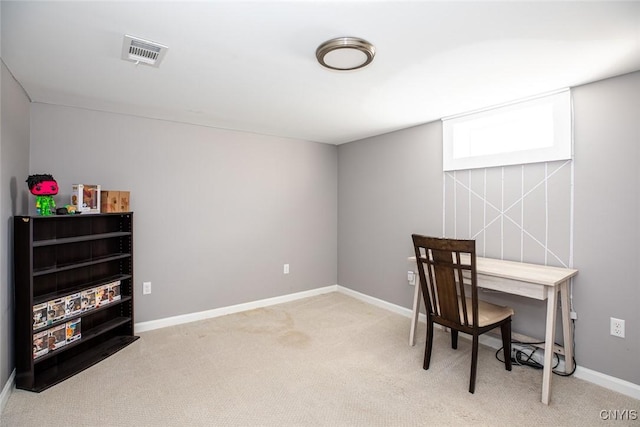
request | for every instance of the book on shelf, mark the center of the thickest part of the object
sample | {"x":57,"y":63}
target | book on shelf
{"x":40,"y":347}
{"x":73,"y":330}
{"x":40,"y":315}
{"x":57,"y":337}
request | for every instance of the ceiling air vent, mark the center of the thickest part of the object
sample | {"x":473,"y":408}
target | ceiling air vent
{"x":142,"y":51}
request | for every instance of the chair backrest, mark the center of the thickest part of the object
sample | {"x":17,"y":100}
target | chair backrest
{"x":441,"y":263}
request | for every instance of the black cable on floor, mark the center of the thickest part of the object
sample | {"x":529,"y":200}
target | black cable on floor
{"x":522,"y":358}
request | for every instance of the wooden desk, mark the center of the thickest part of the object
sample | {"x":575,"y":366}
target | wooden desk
{"x":532,"y":281}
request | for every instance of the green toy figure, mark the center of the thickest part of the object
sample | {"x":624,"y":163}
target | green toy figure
{"x":44,"y":187}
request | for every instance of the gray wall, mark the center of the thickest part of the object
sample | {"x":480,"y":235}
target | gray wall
{"x":217,"y":213}
{"x":607,"y":215}
{"x":14,"y":168}
{"x":391,"y":186}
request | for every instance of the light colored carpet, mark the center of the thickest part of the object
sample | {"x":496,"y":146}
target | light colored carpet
{"x":327,"y":360}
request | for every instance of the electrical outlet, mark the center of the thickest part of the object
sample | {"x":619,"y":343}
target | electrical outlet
{"x":617,"y":327}
{"x":146,"y":288}
{"x":411,"y":277}
{"x":285,"y":269}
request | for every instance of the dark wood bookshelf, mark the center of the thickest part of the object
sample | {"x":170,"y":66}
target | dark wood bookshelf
{"x":58,"y":256}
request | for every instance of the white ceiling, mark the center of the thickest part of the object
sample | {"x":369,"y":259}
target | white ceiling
{"x":251,"y":66}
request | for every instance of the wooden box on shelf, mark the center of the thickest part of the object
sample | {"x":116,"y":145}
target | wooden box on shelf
{"x":114,"y":201}
{"x":63,"y":259}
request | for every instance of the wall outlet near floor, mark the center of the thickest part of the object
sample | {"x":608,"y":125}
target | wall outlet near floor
{"x":146,"y":288}
{"x":285,"y":269}
{"x":617,"y":327}
{"x":411,"y":277}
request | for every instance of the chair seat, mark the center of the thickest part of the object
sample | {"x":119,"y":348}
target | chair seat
{"x":488,"y":313}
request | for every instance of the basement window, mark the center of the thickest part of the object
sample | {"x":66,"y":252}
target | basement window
{"x":531,"y":131}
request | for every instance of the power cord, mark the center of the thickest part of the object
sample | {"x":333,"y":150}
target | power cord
{"x":522,"y":358}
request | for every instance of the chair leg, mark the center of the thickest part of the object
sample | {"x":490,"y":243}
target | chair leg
{"x":505,"y":328}
{"x":428,"y":345}
{"x":474,"y":364}
{"x":454,"y":339}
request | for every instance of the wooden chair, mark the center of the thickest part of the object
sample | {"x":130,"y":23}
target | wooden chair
{"x":444,"y":265}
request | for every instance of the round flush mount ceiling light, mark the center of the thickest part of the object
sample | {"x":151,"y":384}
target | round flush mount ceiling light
{"x":345,"y":53}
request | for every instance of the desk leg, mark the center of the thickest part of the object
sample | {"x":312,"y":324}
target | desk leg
{"x":416,"y":312}
{"x":549,"y":340}
{"x":567,"y":331}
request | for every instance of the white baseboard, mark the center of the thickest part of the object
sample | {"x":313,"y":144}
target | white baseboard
{"x":378,"y":302}
{"x":222,"y":311}
{"x":6,"y":391}
{"x":612,"y":383}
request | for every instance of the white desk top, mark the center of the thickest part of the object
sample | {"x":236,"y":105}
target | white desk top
{"x":521,"y":271}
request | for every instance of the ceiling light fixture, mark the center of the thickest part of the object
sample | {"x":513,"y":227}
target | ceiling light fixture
{"x":345,"y":53}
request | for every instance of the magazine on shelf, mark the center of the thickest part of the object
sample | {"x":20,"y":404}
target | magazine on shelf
{"x":114,"y":291}
{"x":57,"y":337}
{"x":88,"y":299}
{"x":56,"y":309}
{"x":73,"y":330}
{"x":40,"y":347}
{"x":73,"y":304}
{"x":40,"y":315}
